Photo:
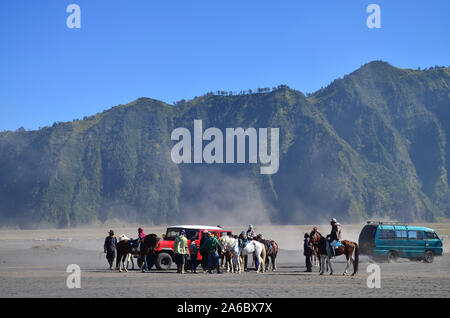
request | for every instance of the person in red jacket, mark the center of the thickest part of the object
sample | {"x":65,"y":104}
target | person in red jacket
{"x":141,"y":236}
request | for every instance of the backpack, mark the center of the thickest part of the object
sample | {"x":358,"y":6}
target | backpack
{"x":193,"y":248}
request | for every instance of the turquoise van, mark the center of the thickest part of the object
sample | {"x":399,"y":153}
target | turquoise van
{"x":389,"y":241}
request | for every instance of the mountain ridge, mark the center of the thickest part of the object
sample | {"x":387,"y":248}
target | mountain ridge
{"x":353,"y":149}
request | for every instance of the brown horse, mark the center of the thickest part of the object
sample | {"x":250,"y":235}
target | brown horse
{"x":271,"y":251}
{"x":148,"y":245}
{"x":346,"y":248}
{"x":315,"y":252}
{"x":124,"y":249}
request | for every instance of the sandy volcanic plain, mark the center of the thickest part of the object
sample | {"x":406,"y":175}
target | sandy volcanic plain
{"x":33,"y":264}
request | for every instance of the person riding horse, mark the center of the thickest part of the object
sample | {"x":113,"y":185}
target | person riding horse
{"x":251,"y":232}
{"x":334,"y":237}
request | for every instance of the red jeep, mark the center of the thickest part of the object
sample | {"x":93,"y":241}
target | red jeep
{"x":164,"y":250}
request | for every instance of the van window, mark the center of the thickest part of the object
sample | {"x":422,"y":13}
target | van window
{"x":401,"y":235}
{"x":384,"y":234}
{"x":431,"y":235}
{"x":415,"y":235}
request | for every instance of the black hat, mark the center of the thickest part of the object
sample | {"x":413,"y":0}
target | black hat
{"x":111,"y":232}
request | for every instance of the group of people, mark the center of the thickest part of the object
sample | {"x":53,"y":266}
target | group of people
{"x":332,"y":242}
{"x":210,"y":246}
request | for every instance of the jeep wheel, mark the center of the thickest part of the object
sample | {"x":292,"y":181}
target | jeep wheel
{"x":429,"y":257}
{"x":392,"y":256}
{"x":163,"y":261}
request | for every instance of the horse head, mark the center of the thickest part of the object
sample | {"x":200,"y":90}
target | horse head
{"x":316,"y":237}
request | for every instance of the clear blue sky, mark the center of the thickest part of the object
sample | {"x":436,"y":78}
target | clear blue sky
{"x":174,"y":49}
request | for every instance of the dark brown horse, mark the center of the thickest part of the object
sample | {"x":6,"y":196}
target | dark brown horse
{"x":124,"y":250}
{"x":346,"y":248}
{"x":147,"y":250}
{"x":315,"y":252}
{"x":271,"y":251}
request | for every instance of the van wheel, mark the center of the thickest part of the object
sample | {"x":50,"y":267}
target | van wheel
{"x":392,"y":257}
{"x":429,"y":257}
{"x":163,"y":261}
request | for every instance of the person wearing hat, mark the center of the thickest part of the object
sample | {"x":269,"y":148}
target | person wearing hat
{"x":250,"y":232}
{"x":110,"y":248}
{"x":334,"y":237}
{"x":307,"y":252}
{"x":212,"y":245}
{"x":180,"y":250}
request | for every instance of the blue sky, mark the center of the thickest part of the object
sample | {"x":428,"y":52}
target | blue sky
{"x":174,"y":49}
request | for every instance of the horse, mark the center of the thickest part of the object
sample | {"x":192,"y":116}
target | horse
{"x":346,"y":248}
{"x":231,"y":253}
{"x":226,"y":242}
{"x":124,"y":251}
{"x":258,"y":250}
{"x":271,"y":249}
{"x":129,"y":256}
{"x":148,"y":245}
{"x":315,"y":258}
{"x":315,"y":253}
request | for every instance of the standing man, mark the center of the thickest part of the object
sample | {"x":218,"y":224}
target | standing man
{"x":307,"y":252}
{"x":203,"y":251}
{"x":110,"y":248}
{"x":212,"y":244}
{"x":193,"y":251}
{"x":180,"y":249}
{"x":243,"y":240}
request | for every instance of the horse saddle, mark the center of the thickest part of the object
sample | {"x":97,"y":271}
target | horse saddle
{"x":338,"y":244}
{"x":134,"y":245}
{"x":244,"y":243}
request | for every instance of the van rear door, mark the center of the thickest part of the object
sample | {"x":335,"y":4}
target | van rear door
{"x":366,"y":239}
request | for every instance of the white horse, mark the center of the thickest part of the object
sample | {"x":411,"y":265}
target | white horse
{"x":256,"y":249}
{"x":231,"y":245}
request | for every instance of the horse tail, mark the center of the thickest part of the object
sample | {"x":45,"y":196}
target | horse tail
{"x":356,"y":264}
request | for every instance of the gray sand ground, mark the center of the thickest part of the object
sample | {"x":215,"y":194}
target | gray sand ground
{"x":33,"y":264}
